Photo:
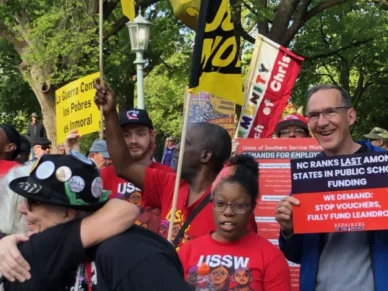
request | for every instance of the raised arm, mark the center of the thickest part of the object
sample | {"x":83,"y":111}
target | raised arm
{"x":123,"y":164}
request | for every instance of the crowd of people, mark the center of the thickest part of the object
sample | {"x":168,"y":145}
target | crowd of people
{"x":100,"y":221}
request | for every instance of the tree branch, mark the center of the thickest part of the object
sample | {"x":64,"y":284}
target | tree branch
{"x":284,"y":13}
{"x":302,"y":9}
{"x":289,"y":34}
{"x":330,"y":75}
{"x":321,"y":7}
{"x":263,"y":25}
{"x":109,"y":7}
{"x":330,"y":53}
{"x":236,"y":18}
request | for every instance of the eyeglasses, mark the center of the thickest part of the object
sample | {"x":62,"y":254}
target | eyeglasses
{"x":237,"y":207}
{"x":31,"y":203}
{"x":296,"y":131}
{"x":328,"y":113}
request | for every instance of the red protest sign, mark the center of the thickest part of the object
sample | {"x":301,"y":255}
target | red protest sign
{"x":343,"y":193}
{"x":341,"y":211}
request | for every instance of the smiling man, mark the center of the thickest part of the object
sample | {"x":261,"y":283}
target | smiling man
{"x":335,"y":261}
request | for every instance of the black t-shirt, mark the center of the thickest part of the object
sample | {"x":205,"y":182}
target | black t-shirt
{"x":53,"y":255}
{"x":137,"y":259}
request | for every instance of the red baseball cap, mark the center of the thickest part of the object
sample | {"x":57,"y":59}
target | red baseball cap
{"x":291,"y":120}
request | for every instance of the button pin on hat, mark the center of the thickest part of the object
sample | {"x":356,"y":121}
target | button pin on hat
{"x":45,"y":170}
{"x":63,"y":173}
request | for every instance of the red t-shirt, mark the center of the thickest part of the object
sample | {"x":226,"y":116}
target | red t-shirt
{"x":149,"y":216}
{"x":250,"y":264}
{"x":159,"y":191}
{"x":5,"y":166}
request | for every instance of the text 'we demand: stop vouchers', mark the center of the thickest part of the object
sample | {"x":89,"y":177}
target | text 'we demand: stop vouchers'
{"x":342,"y":193}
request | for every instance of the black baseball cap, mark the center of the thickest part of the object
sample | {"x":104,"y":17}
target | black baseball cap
{"x":71,"y":181}
{"x":136,"y":116}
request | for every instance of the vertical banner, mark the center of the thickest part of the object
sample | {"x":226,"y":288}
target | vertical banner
{"x":216,"y":64}
{"x":75,"y":108}
{"x":205,"y":107}
{"x":273,"y":73}
{"x":273,"y":156}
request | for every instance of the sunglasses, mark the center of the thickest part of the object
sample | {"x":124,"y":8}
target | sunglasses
{"x":45,"y":147}
{"x":31,"y":203}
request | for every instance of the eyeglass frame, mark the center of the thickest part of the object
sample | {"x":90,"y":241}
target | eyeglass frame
{"x":296,"y":130}
{"x":325,"y":114}
{"x":231,"y":205}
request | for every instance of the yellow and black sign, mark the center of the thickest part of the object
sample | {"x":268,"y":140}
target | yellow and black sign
{"x":216,"y":66}
{"x":75,"y":108}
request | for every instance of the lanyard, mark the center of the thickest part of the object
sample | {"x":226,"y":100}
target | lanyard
{"x":88,"y":273}
{"x":87,"y":269}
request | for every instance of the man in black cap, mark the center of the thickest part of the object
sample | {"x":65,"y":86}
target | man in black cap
{"x":41,"y":146}
{"x":58,"y":190}
{"x":9,"y":147}
{"x":138,"y":131}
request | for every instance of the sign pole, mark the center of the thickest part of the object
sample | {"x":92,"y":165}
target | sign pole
{"x":101,"y":40}
{"x":180,"y":161}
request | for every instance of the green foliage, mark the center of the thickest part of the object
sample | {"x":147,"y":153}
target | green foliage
{"x":17,"y":100}
{"x":164,"y":89}
{"x":352,"y":43}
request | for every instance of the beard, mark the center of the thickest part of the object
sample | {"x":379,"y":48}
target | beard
{"x":142,"y":153}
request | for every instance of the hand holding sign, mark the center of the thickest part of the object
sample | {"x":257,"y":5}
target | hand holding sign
{"x":284,"y":214}
{"x":105,"y":97}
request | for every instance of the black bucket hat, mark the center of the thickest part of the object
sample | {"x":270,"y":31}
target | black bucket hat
{"x":71,"y":181}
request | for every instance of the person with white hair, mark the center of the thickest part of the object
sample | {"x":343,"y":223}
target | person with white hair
{"x":59,"y":189}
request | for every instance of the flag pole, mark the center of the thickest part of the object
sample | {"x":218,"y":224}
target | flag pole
{"x":101,"y":40}
{"x":180,"y":161}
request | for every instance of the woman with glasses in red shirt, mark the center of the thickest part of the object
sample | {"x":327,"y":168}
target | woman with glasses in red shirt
{"x":232,"y":258}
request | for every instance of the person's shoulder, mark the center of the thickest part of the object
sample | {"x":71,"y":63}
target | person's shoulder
{"x":199,"y":241}
{"x":266,"y":247}
{"x":109,"y":170}
{"x":136,"y":241}
{"x":161,"y":167}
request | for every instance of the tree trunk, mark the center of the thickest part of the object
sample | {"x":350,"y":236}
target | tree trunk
{"x":45,"y":94}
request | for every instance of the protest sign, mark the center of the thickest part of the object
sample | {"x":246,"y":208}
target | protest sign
{"x":274,"y":157}
{"x":342,"y":193}
{"x":75,"y":108}
{"x":272,"y":74}
{"x":205,"y":107}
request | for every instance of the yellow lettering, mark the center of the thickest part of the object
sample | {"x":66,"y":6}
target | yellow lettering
{"x":178,"y":217}
{"x":217,"y":21}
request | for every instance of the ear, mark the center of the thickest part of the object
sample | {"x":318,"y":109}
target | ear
{"x":352,"y":116}
{"x":70,"y":214}
{"x":9,"y":148}
{"x":380,"y":142}
{"x":153,"y":135}
{"x":206,"y":156}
